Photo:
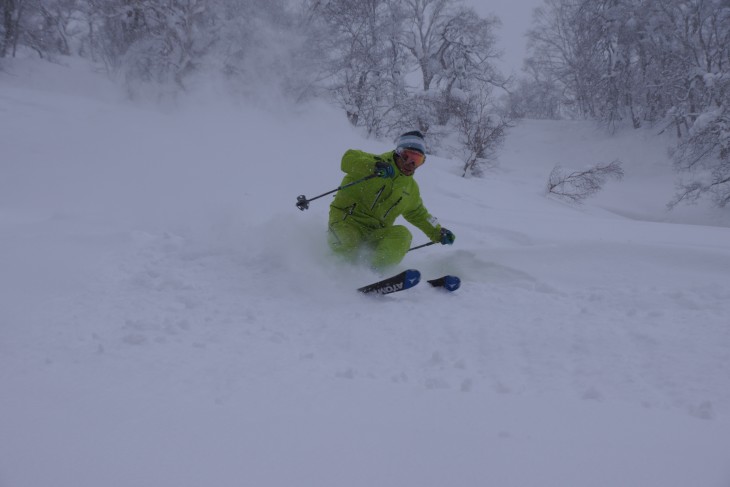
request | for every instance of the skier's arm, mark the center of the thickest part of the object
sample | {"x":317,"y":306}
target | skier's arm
{"x":424,"y":221}
{"x":358,"y":163}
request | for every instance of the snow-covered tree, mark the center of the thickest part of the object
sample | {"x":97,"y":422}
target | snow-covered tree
{"x":361,"y":59}
{"x":46,"y":26}
{"x":638,"y":61}
{"x":537,"y":95}
{"x":9,"y":29}
{"x":481,"y":132}
{"x":454,"y":49}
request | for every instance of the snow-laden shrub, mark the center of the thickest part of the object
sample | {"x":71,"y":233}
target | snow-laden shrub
{"x":578,"y":185}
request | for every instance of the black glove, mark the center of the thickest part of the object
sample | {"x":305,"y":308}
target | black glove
{"x":447,"y":236}
{"x":384,"y":169}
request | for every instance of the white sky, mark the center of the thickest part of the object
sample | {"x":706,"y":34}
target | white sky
{"x":516,"y":16}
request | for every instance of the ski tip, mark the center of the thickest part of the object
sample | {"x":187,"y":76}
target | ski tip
{"x":449,"y":283}
{"x":412,"y":277}
{"x":452,"y":283}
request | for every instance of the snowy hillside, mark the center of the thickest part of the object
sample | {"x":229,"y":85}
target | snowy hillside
{"x":169,"y":318}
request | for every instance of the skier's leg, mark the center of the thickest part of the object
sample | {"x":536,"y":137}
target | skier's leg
{"x":390,"y":245}
{"x":344,"y":239}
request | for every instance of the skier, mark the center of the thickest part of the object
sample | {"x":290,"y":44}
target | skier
{"x":361,"y":217}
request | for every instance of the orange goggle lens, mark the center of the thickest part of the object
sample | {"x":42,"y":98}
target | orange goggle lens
{"x":413,"y":156}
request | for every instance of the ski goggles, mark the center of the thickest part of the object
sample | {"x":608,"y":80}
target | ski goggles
{"x":413,"y":156}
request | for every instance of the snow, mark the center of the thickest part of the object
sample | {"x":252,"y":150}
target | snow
{"x":168,"y":317}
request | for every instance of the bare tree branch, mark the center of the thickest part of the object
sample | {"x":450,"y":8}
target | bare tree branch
{"x":579,"y":185}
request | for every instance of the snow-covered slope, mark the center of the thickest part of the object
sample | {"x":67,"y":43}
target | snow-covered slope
{"x":168,"y":317}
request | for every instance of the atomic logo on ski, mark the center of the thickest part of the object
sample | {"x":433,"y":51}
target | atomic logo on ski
{"x":399,"y":282}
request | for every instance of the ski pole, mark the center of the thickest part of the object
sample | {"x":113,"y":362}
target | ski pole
{"x":303,"y":202}
{"x":421,"y":246}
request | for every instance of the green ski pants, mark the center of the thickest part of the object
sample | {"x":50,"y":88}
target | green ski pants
{"x":387,"y":246}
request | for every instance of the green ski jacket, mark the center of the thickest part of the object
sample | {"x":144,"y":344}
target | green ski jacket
{"x":377,"y":202}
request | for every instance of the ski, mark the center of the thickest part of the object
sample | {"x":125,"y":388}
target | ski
{"x":405,"y":280}
{"x":450,"y":283}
